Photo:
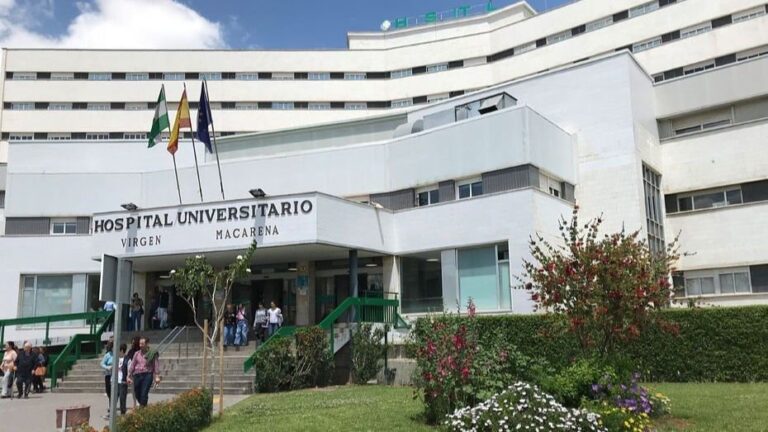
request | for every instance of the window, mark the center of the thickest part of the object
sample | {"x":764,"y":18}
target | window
{"x":22,"y":106}
{"x":595,"y":25}
{"x":550,"y":185}
{"x":422,"y":283}
{"x":699,"y":67}
{"x":98,"y":106}
{"x":695,"y":30}
{"x":246,"y":106}
{"x":558,"y":37}
{"x":401,"y":73}
{"x":97,"y":136}
{"x":437,"y":98}
{"x":60,"y":106}
{"x":135,"y":106}
{"x":210,"y":76}
{"x":63,"y":227}
{"x":525,"y":48}
{"x":653,"y":212}
{"x":749,"y":14}
{"x":402,"y":103}
{"x":51,"y":294}
{"x":728,"y":281}
{"x":247,"y":76}
{"x":757,"y":52}
{"x":99,"y":76}
{"x":173,"y":76}
{"x":20,"y":136}
{"x":282,"y":76}
{"x":25,"y":76}
{"x":319,"y":106}
{"x":2,"y":199}
{"x":282,"y":105}
{"x":643,"y":9}
{"x":484,"y":276}
{"x":437,"y":68}
{"x":710,"y":199}
{"x":135,"y":135}
{"x":319,"y":76}
{"x":354,"y":75}
{"x":355,"y":105}
{"x":428,"y":197}
{"x":62,"y":76}
{"x":470,"y":189}
{"x":59,"y":136}
{"x":646,"y":45}
{"x":136,"y":76}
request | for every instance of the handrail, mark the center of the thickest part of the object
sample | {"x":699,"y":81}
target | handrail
{"x":163,"y":345}
{"x":61,"y":363}
{"x":90,"y":317}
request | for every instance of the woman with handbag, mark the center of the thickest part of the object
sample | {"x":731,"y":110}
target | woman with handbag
{"x":38,"y":374}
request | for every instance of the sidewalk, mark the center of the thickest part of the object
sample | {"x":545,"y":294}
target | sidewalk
{"x":38,"y":413}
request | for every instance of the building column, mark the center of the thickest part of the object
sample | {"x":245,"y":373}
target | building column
{"x":391,"y":276}
{"x":353,"y":288}
{"x":449,"y":268}
{"x":305,"y":293}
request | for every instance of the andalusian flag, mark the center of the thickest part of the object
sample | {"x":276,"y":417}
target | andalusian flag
{"x":160,"y":122}
{"x":182,"y":120}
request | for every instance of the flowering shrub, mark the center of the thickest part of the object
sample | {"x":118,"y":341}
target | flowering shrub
{"x":290,"y":364}
{"x":575,"y":383}
{"x":616,"y":419}
{"x":633,"y":397}
{"x":274,"y":364}
{"x":190,"y":411}
{"x":522,"y":407}
{"x":368,"y":352}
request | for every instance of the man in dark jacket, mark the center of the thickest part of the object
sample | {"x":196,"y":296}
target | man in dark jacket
{"x":26,"y":362}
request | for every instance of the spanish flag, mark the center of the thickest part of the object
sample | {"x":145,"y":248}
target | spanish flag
{"x":182,"y":120}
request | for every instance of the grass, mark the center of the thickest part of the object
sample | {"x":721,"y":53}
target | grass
{"x":348,"y":408}
{"x":721,"y":407}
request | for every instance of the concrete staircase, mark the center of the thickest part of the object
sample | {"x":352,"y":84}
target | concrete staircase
{"x":179,"y":372}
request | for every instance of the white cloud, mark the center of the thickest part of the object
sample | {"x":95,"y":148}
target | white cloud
{"x":149,"y":24}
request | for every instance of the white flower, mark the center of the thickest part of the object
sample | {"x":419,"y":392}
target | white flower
{"x":239,"y":257}
{"x":248,"y":270}
{"x":173,"y":271}
{"x":198,"y":256}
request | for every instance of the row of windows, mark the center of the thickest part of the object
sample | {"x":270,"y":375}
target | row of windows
{"x":281,"y":105}
{"x":711,"y":63}
{"x":725,"y":196}
{"x":740,"y":112}
{"x":91,"y":136}
{"x":401,"y":73}
{"x":724,"y":281}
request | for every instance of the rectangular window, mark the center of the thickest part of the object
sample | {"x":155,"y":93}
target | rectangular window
{"x":137,"y":76}
{"x":749,"y":14}
{"x":559,"y":37}
{"x":98,"y":106}
{"x":246,"y":106}
{"x":646,"y":45}
{"x":135,"y":135}
{"x":525,"y":48}
{"x":354,"y":76}
{"x":653,"y":211}
{"x":247,"y":76}
{"x":753,"y":53}
{"x":96,"y":136}
{"x":48,"y":295}
{"x":282,"y":76}
{"x":695,"y":30}
{"x":282,"y":105}
{"x":595,"y":25}
{"x":699,"y":67}
{"x":20,"y":136}
{"x":59,"y":136}
{"x":643,"y":9}
{"x":470,"y":189}
{"x":317,"y":106}
{"x":699,"y":286}
{"x":437,"y":67}
{"x":64,"y":227}
{"x":428,"y":197}
{"x":62,"y":76}
{"x":25,"y":76}
{"x":23,"y":106}
{"x":319,"y":76}
{"x":135,"y":106}
{"x":60,"y":106}
{"x":422,"y":284}
{"x":401,"y":73}
{"x":173,"y":76}
{"x":210,"y":76}
{"x":728,"y":281}
{"x":355,"y":105}
{"x":99,"y":76}
{"x":437,"y":98}
{"x":402,"y":103}
{"x":484,"y":277}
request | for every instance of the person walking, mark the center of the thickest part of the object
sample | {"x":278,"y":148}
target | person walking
{"x":275,"y":318}
{"x":241,"y":337}
{"x":230,"y":322}
{"x":127,"y":358}
{"x":38,"y":375}
{"x":137,"y":311}
{"x":143,"y":371}
{"x":260,"y":323}
{"x":109,"y":306}
{"x":122,"y":386}
{"x":9,"y":368}
{"x":106,"y":365}
{"x":164,"y":300}
{"x":26,"y":361}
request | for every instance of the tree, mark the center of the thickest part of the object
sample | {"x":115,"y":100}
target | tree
{"x":608,"y":288}
{"x":198,"y":279}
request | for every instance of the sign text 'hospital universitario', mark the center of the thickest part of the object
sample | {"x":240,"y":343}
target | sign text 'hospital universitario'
{"x":238,"y":221}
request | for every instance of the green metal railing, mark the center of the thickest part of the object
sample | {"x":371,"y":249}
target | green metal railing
{"x":366,"y":309}
{"x":97,"y":322}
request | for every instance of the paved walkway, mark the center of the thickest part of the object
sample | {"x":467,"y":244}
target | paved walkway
{"x":38,"y":413}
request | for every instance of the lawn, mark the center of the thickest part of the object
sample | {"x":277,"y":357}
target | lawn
{"x":695,"y":407}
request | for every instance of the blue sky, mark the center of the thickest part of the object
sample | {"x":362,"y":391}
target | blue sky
{"x":267,"y":24}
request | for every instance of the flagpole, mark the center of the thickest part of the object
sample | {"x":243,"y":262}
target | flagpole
{"x":215,"y":148}
{"x":175,"y":170}
{"x":197,"y":168}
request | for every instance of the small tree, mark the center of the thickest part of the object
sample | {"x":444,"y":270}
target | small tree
{"x":608,"y":288}
{"x":198,"y":278}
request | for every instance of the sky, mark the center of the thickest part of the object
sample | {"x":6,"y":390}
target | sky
{"x":233,"y":24}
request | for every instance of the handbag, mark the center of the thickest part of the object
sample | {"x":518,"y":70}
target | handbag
{"x":40,"y":371}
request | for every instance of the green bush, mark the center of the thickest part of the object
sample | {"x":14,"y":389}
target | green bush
{"x":189,"y":411}
{"x":367,"y":352}
{"x":313,"y":361}
{"x":274,"y":364}
{"x":574,"y":383}
{"x":713,"y":344}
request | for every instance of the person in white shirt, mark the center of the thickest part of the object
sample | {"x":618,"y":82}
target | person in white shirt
{"x":274,"y":318}
{"x":260,"y":323}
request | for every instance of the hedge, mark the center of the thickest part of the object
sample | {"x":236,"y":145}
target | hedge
{"x":714,"y":344}
{"x":190,"y":411}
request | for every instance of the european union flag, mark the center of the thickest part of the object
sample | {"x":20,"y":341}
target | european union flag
{"x":204,"y":118}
